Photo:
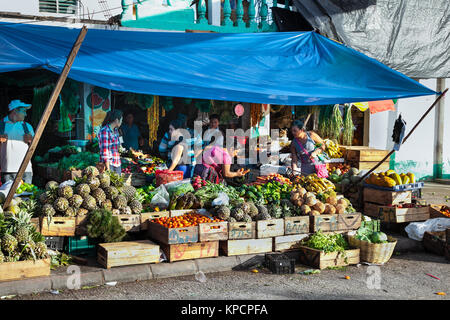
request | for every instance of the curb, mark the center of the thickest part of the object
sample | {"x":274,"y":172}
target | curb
{"x":141,"y":272}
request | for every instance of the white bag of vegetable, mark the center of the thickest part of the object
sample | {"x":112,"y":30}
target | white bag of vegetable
{"x":221,"y":200}
{"x":161,"y":197}
{"x":415,"y":230}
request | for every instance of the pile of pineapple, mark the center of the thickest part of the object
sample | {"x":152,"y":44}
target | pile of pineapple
{"x":249,"y":211}
{"x":19,"y":239}
{"x":91,"y":192}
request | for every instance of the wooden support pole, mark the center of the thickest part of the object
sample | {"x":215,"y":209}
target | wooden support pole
{"x":404,"y":140}
{"x":45,"y":116}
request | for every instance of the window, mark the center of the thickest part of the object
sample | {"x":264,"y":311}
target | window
{"x":58,"y":6}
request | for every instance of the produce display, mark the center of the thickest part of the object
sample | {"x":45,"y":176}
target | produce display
{"x":198,"y":182}
{"x":445,"y":210}
{"x":390,"y":178}
{"x":343,"y":180}
{"x":367,"y":234}
{"x":327,"y":242}
{"x":19,"y":239}
{"x":185,"y":220}
{"x":313,"y":183}
{"x":265,"y":193}
{"x":338,"y":168}
{"x":90,"y":192}
{"x":78,"y":161}
{"x":274,"y":177}
{"x":332,"y":149}
{"x":145,"y":194}
{"x":309,"y":204}
{"x":27,"y":187}
{"x":208,"y":193}
{"x":102,"y":224}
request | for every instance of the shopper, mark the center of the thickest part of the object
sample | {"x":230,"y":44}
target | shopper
{"x":109,"y":141}
{"x":15,"y":138}
{"x":216,"y":165}
{"x":166,"y":144}
{"x":131,"y":134}
{"x":304,"y":151}
{"x":213,"y":135}
{"x":182,"y":156}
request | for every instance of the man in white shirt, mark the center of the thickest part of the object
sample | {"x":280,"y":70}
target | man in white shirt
{"x":15,"y":138}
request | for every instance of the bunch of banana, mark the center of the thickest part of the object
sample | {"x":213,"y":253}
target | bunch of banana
{"x":315,"y":184}
{"x":332,"y":149}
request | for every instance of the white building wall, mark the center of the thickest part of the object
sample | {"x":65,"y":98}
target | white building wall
{"x":417,"y":154}
{"x":89,"y":9}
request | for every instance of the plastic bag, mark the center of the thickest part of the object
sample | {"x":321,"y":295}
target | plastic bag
{"x":222,"y":199}
{"x":161,"y":197}
{"x":179,"y":187}
{"x":70,"y":183}
{"x":415,"y":230}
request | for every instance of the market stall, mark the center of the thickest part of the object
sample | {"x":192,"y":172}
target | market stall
{"x":193,"y":219}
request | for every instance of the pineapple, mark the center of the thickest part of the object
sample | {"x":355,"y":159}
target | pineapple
{"x":65,"y":192}
{"x":125,"y":210}
{"x":253,"y":212}
{"x":129,"y":192}
{"x":2,"y":257}
{"x":83,"y":189}
{"x":41,"y":250}
{"x":119,"y":202}
{"x":22,"y":234}
{"x":238,"y":214}
{"x":76,"y":201}
{"x":223,"y":212}
{"x":231,"y":219}
{"x":70,"y":212}
{"x":99,"y":195}
{"x":61,"y":204}
{"x":264,"y":215}
{"x":81,"y":212}
{"x":47,"y":197}
{"x":107,"y":204}
{"x":51,"y":186}
{"x":115,"y":211}
{"x":105,"y":180}
{"x":247,"y":218}
{"x":90,"y":171}
{"x":93,"y":183}
{"x":245,"y":207}
{"x":89,"y":203}
{"x":111,"y":192}
{"x":28,"y":248}
{"x":135,"y":206}
{"x":275,"y":211}
{"x":262,"y":209}
{"x":9,"y":244}
{"x":48,"y":210}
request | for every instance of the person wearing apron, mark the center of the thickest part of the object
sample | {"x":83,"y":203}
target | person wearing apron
{"x":304,"y":141}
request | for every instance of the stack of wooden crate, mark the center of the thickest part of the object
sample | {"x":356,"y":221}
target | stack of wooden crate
{"x":365,"y":158}
{"x":382,"y":204}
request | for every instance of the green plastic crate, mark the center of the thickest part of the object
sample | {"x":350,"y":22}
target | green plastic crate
{"x":81,"y":246}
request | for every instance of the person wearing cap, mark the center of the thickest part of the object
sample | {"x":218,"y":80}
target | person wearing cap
{"x":15,"y":138}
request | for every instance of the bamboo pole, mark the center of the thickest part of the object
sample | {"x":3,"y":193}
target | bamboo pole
{"x":48,"y":110}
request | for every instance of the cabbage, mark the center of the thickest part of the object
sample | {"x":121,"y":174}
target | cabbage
{"x":378,"y":237}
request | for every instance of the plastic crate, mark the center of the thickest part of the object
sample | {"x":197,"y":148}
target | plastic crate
{"x":166,"y":176}
{"x":81,"y":246}
{"x":279,"y":263}
{"x":402,"y":187}
{"x":55,"y":243}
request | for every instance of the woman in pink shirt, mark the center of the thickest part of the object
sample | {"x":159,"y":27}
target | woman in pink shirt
{"x":216,"y":164}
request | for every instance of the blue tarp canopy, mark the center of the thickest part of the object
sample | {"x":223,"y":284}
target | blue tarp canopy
{"x":288,"y":68}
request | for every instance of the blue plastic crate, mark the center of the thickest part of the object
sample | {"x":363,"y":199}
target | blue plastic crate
{"x":402,"y":187}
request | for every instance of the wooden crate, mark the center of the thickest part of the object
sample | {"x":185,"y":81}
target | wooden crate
{"x":269,"y":228}
{"x":58,"y":226}
{"x":434,"y":242}
{"x":366,"y":155}
{"x":321,"y":260}
{"x":213,"y":231}
{"x":385,"y":197}
{"x":375,"y":210}
{"x":246,"y":246}
{"x":146,"y":216}
{"x":401,"y":215}
{"x":286,"y":243}
{"x":71,"y":175}
{"x":296,"y":225}
{"x":173,"y":235}
{"x":24,"y":269}
{"x":335,"y":222}
{"x":177,"y":213}
{"x":241,"y":230}
{"x":135,"y":179}
{"x":188,"y":251}
{"x":367,"y":165}
{"x":36,"y":224}
{"x":130,"y":222}
{"x":435,"y":211}
{"x":81,"y":225}
{"x":126,"y":253}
